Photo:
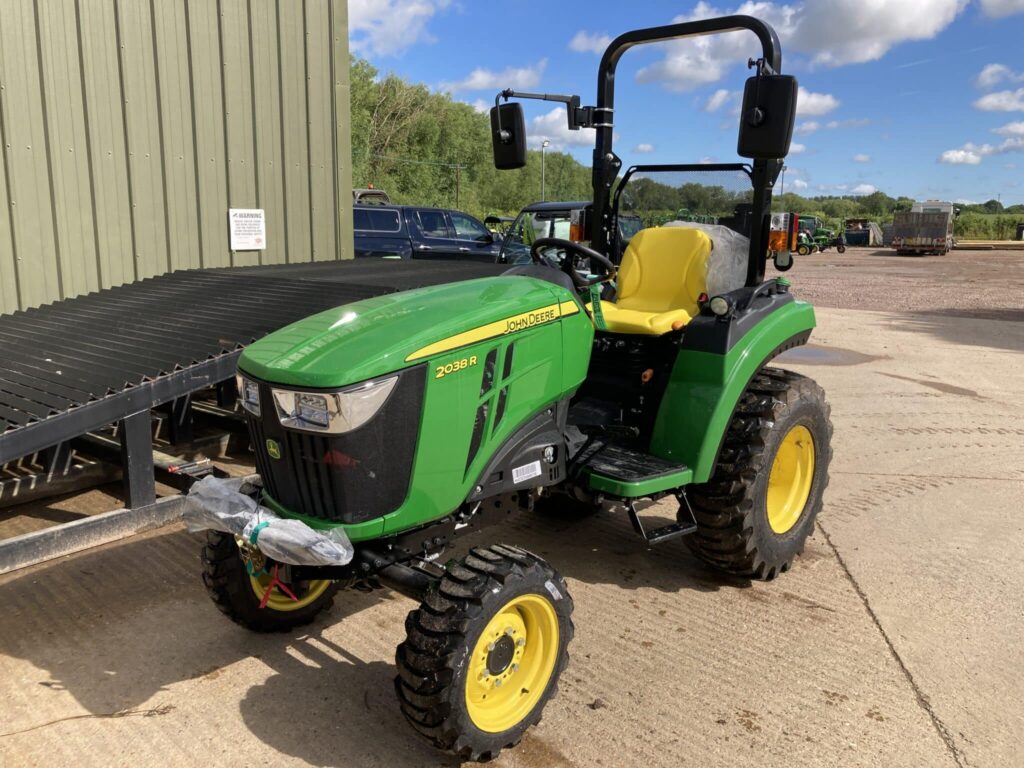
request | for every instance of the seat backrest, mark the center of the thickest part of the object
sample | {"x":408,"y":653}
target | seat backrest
{"x":664,"y":268}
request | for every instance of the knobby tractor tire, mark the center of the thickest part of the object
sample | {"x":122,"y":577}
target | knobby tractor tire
{"x":498,"y":624}
{"x":233,"y":591}
{"x":803,"y":250}
{"x":734,"y":531}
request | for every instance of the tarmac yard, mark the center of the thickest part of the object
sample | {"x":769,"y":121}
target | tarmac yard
{"x":894,"y":641}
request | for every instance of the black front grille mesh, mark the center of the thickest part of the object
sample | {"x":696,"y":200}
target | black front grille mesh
{"x":346,"y":478}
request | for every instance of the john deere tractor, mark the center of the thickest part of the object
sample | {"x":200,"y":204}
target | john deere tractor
{"x":409,"y":419}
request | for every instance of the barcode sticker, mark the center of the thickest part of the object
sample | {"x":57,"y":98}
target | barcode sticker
{"x":525,"y":472}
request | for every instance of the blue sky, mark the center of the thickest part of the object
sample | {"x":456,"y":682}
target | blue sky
{"x":923,"y":98}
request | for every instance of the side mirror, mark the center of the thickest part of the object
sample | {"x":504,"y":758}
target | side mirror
{"x":486,"y":239}
{"x":508,"y":136}
{"x":767,"y":117}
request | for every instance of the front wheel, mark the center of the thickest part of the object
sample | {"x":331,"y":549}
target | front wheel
{"x":841,"y":248}
{"x":803,"y":250}
{"x":256,"y":601}
{"x":484,"y":652}
{"x":755,"y":513}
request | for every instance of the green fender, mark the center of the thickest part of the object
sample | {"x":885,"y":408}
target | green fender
{"x":705,"y":387}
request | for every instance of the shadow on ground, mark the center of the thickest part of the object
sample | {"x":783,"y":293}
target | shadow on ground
{"x":949,"y":325}
{"x":116,"y":626}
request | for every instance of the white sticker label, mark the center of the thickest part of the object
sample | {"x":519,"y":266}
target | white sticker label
{"x":525,"y":472}
{"x":248,"y":229}
{"x":553,"y":590}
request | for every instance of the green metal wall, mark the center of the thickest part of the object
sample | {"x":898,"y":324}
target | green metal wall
{"x":129,"y":127}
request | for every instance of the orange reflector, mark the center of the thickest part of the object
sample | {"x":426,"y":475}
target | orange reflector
{"x":576,"y":233}
{"x":647,"y":375}
{"x":677,"y":325}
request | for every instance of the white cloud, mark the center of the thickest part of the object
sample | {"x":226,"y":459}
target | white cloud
{"x":589,"y":42}
{"x":481,"y":106}
{"x":863,"y":189}
{"x":1000,"y":8}
{"x":481,"y":79}
{"x":853,"y":31}
{"x":798,"y":184}
{"x":643,"y":149}
{"x":992,"y":75}
{"x":972,"y":154}
{"x":808,"y":127}
{"x":860,"y":157}
{"x":832,"y":33}
{"x":719,"y":99}
{"x":796,"y":148}
{"x":1011,"y":129}
{"x":959,"y":157}
{"x":553,"y":126}
{"x":388,"y":27}
{"x":1002,"y":101}
{"x":854,"y":122}
{"x":814,"y":104}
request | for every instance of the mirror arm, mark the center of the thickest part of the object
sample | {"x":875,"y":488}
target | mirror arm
{"x":579,"y":117}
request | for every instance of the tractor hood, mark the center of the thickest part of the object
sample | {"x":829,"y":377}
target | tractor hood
{"x":377,"y":336}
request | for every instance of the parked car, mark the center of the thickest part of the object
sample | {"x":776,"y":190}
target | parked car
{"x":552,"y":219}
{"x":412,"y":232}
{"x":370,"y":196}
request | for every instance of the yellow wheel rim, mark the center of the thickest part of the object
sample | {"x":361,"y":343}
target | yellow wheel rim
{"x":512,"y":663}
{"x":279,"y":601}
{"x":789,"y":484}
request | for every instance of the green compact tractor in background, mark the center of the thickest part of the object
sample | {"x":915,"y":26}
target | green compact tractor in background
{"x":408,"y":419}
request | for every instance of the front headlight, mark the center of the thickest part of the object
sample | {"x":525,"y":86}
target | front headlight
{"x":333,"y":412}
{"x":248,"y":394}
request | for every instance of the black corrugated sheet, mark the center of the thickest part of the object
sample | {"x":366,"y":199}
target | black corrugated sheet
{"x":63,"y":358}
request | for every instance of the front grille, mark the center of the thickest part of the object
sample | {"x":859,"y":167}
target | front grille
{"x":346,"y":478}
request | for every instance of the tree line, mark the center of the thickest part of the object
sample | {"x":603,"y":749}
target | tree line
{"x":427,"y":148}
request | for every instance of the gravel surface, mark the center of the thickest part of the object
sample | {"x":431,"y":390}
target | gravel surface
{"x":981,"y":284}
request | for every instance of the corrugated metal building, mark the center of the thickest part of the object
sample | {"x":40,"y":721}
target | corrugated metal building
{"x":129,"y":127}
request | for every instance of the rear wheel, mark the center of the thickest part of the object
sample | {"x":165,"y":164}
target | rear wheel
{"x":755,"y":513}
{"x":484,"y":652}
{"x":803,"y":250}
{"x":239,"y":595}
{"x":841,"y":248}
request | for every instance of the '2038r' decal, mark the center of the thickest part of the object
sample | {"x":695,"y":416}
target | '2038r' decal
{"x":440,"y":371}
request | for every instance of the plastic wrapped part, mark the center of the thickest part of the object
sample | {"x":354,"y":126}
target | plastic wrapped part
{"x":224,"y":504}
{"x":727,"y":267}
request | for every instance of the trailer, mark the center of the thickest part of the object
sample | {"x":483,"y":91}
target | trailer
{"x":927,"y":228}
{"x":72,"y":368}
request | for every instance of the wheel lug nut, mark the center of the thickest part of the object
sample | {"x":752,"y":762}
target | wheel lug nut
{"x":515,"y":667}
{"x":521,"y":642}
{"x":490,"y":647}
{"x":497,"y":682}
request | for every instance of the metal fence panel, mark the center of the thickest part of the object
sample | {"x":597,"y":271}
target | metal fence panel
{"x":129,"y":128}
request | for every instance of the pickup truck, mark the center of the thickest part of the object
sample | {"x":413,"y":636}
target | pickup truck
{"x":412,"y":232}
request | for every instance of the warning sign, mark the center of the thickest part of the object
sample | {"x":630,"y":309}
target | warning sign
{"x":248,"y":229}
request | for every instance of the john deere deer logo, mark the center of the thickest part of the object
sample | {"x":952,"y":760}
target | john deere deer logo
{"x":273,"y":449}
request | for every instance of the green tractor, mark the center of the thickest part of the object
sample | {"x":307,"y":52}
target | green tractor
{"x":409,"y":419}
{"x":815,"y":236}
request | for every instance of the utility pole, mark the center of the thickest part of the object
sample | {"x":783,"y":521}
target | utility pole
{"x":544,"y":145}
{"x":458,"y":168}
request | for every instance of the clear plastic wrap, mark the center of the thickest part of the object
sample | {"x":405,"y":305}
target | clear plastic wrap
{"x":727,"y":267}
{"x":222,"y":504}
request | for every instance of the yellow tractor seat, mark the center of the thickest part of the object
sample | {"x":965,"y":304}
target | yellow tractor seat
{"x":663,"y":272}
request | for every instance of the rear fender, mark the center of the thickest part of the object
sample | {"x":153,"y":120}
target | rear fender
{"x":706,"y":385}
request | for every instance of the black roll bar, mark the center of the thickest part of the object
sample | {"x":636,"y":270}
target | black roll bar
{"x":606,"y":165}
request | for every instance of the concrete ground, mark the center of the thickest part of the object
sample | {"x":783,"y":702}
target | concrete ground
{"x":894,"y":641}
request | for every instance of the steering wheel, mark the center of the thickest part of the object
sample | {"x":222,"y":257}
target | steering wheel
{"x":567,"y":265}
